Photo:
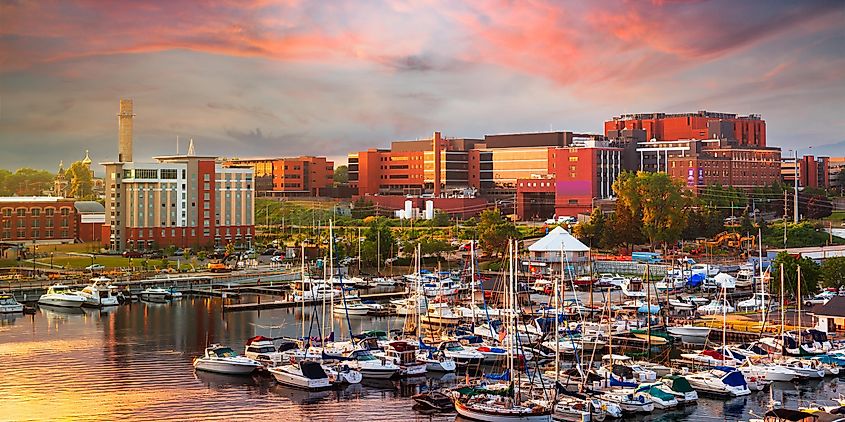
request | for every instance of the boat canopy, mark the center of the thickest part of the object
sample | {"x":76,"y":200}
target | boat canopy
{"x":312,"y":370}
{"x":789,"y":415}
{"x":680,"y":384}
{"x":817,"y":335}
{"x":504,"y":376}
{"x":622,"y":371}
{"x":653,"y":391}
{"x":734,"y":378}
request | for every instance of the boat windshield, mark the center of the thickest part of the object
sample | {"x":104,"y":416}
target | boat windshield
{"x":6,"y":300}
{"x":454,"y":347}
{"x":225,"y":352}
{"x":364,"y":356}
{"x":262,"y":349}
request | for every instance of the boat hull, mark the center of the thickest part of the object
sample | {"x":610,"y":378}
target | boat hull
{"x":202,"y":364}
{"x":63,"y":301}
{"x":11,"y":309}
{"x":479,"y":415}
{"x":298,"y":381}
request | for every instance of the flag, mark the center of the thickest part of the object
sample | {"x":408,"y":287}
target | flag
{"x":502,"y":335}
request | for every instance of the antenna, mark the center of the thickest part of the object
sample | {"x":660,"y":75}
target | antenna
{"x":177,"y":144}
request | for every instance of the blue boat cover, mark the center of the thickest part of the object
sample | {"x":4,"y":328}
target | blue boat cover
{"x":504,"y":376}
{"x":695,"y":280}
{"x":734,"y":379}
{"x":616,"y":383}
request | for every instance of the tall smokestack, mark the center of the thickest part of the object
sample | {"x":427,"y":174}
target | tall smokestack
{"x":124,"y":131}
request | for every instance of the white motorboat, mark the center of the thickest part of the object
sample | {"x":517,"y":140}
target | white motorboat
{"x":385,"y":281}
{"x":611,"y":280}
{"x":8,"y":304}
{"x":711,"y":358}
{"x":351,"y":306}
{"x":627,"y":291}
{"x":479,"y":312}
{"x":435,"y":361}
{"x":573,"y":409}
{"x":682,"y":304}
{"x":681,"y":388}
{"x":406,"y":306}
{"x":340,"y":374}
{"x":722,"y":381}
{"x":404,"y":354}
{"x":706,"y":269}
{"x":725,"y":281}
{"x":99,"y":293}
{"x":542,"y":285}
{"x":656,"y":392}
{"x":758,"y":302}
{"x":768,"y":372}
{"x":370,"y":366}
{"x":444,"y":287}
{"x":316,"y":290}
{"x":155,"y":294}
{"x":744,"y":278}
{"x":689,"y":331}
{"x":440,"y":314}
{"x":461,"y":355}
{"x":307,"y":374}
{"x":630,"y":401}
{"x":715,"y":307}
{"x":61,"y":295}
{"x":804,"y":369}
{"x":224,"y":360}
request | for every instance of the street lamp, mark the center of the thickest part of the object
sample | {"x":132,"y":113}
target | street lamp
{"x":51,"y":260}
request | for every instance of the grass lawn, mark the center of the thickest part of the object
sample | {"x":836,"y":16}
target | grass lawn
{"x":83,"y":261}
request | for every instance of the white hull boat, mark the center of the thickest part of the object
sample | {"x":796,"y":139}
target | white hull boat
{"x":689,"y":331}
{"x":223,"y":360}
{"x":60,"y":295}
{"x":8,"y":304}
{"x":308,"y":375}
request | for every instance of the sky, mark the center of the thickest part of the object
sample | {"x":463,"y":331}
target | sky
{"x":284,"y":78}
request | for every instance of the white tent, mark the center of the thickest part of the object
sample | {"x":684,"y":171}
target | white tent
{"x":553,"y":241}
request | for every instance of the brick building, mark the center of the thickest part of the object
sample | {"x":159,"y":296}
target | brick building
{"x":289,"y":177}
{"x":813,"y":171}
{"x":746,"y":130}
{"x":182,"y":200}
{"x":40,"y":219}
{"x":90,"y":217}
{"x":500,"y":168}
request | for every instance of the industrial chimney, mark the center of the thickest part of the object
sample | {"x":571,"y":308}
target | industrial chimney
{"x":124,"y":131}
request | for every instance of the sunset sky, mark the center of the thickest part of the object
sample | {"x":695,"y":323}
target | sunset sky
{"x":278,"y":78}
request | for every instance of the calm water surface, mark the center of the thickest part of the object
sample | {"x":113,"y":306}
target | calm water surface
{"x":133,"y":362}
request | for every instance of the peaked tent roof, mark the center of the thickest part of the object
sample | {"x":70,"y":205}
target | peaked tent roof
{"x":552,"y":242}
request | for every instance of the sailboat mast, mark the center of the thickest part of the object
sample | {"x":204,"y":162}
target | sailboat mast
{"x":724,"y":320}
{"x":782,"y":307}
{"x":331,"y":273}
{"x":648,"y":308}
{"x":799,"y":301}
{"x":472,"y":278}
{"x":302,"y":256}
{"x":556,"y":311}
{"x":763,"y":301}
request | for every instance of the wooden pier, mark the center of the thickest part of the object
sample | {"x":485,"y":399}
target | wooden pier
{"x":289,"y":303}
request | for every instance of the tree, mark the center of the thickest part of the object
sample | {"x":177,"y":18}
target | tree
{"x":649,"y":205}
{"x":833,"y":272}
{"x":378,"y":241}
{"x":81,"y":182}
{"x":441,"y":219}
{"x":27,"y":182}
{"x":363,"y":208}
{"x":341,"y":175}
{"x":663,"y":203}
{"x":745,"y":224}
{"x":494,"y":232}
{"x":810,"y":272}
{"x":591,"y":232}
{"x":817,"y":206}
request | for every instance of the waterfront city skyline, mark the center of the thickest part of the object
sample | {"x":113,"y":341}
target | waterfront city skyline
{"x":268,"y":78}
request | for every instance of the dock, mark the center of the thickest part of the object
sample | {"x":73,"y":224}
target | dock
{"x":288,"y":303}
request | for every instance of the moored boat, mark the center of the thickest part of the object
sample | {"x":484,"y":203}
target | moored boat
{"x":8,"y":304}
{"x":224,"y":360}
{"x":307,"y":374}
{"x":61,"y":295}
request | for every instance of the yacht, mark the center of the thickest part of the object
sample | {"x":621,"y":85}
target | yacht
{"x":630,"y":401}
{"x":682,"y":304}
{"x":307,"y":374}
{"x":264,"y":350}
{"x":804,"y":369}
{"x":316,"y":290}
{"x":61,"y":295}
{"x":715,"y":307}
{"x":490,"y":403}
{"x":461,"y":355}
{"x":351,"y":306}
{"x":445,"y":287}
{"x":440,"y":314}
{"x":8,"y":304}
{"x":370,"y":366}
{"x":404,"y":354}
{"x":656,"y":392}
{"x":768,"y":372}
{"x":744,"y":278}
{"x":155,"y":294}
{"x":99,"y":294}
{"x":436,"y":361}
{"x":689,"y":331}
{"x":723,"y":381}
{"x":224,"y":360}
{"x":681,"y":388}
{"x":405,"y":306}
{"x":758,"y":302}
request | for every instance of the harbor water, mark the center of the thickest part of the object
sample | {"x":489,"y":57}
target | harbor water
{"x":133,"y":362}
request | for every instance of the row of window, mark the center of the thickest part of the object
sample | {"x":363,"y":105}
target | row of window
{"x":34,"y":212}
{"x":34,"y":234}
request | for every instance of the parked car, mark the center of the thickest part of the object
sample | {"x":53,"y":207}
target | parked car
{"x":277,"y":258}
{"x":95,"y":267}
{"x":821,"y":298}
{"x":132,"y":254}
{"x":155,"y":255}
{"x":179,"y":252}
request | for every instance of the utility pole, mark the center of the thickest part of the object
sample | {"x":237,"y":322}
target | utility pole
{"x":784,"y":219}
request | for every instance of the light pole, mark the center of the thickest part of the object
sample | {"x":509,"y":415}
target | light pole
{"x":51,"y":260}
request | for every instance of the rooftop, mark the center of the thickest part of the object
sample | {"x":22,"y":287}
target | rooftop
{"x":31,"y":198}
{"x":700,"y":113}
